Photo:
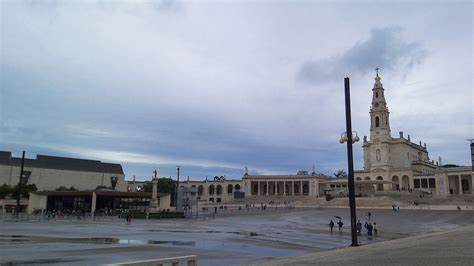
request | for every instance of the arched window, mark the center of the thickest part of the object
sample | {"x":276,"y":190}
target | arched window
{"x":377,"y":121}
{"x":219,"y":189}
{"x":378,"y":155}
{"x":376,"y":95}
{"x":237,"y":187}
{"x":211,"y":190}
{"x":200,"y":190}
{"x":358,"y":178}
{"x":230,"y":188}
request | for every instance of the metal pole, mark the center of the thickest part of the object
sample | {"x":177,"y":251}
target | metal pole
{"x":177,"y":187}
{"x":350,"y":163}
{"x":20,"y":184}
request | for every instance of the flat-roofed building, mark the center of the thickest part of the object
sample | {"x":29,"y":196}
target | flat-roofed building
{"x":52,"y":172}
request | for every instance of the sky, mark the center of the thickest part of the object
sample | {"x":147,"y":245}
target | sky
{"x":214,"y":86}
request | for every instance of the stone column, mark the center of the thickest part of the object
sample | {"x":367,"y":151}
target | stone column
{"x":93,"y":204}
{"x":155,"y":188}
{"x":292,"y":188}
{"x":275,"y":191}
{"x":267,"y":188}
{"x":301,"y":188}
{"x":258,"y":188}
{"x":460,"y":184}
{"x":317,"y":188}
{"x":154,"y":194}
{"x":284,"y":188}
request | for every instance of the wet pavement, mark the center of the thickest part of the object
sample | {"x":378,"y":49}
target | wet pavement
{"x":237,"y":239}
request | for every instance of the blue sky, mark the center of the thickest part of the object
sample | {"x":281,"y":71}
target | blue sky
{"x":215,"y":86}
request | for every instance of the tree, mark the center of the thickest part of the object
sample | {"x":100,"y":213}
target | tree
{"x":5,"y":190}
{"x":24,"y":190}
{"x":63,"y":188}
{"x":340,"y":174}
{"x":165,"y":185}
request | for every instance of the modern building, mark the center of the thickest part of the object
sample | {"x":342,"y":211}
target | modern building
{"x":52,"y":172}
{"x":99,"y":186}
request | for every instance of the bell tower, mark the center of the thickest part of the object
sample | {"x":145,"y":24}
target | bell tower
{"x":379,"y":114}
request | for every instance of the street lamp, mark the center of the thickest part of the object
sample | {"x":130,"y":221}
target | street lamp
{"x":177,"y":188}
{"x":20,"y":185}
{"x":347,"y":137}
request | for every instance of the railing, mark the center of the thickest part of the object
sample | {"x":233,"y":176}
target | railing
{"x":191,"y":260}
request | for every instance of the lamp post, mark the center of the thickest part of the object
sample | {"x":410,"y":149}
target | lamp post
{"x":347,"y":137}
{"x":20,"y":185}
{"x":177,"y":188}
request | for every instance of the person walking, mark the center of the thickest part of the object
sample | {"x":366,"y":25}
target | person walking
{"x":369,"y":229}
{"x":331,"y":225}
{"x":375,"y":228}
{"x":340,"y":223}
{"x":359,"y":227}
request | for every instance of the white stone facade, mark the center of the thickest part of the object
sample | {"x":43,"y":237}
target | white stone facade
{"x":403,"y":162}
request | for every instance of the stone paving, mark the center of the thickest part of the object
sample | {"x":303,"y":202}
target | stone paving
{"x":233,"y":239}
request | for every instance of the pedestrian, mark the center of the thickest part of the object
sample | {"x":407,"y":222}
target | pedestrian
{"x":368,"y":215}
{"x":369,"y":229}
{"x":215,"y":209}
{"x":359,"y":227}
{"x":375,"y":228}
{"x":331,"y":225}
{"x":340,"y":223}
{"x":398,"y":208}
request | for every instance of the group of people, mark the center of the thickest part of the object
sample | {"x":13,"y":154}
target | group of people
{"x":370,"y":228}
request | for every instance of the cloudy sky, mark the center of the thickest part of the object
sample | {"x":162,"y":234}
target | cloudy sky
{"x":215,"y":86}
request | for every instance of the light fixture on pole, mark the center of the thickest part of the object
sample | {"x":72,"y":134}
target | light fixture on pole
{"x":344,"y":137}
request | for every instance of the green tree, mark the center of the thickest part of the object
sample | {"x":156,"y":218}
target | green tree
{"x":5,"y":190}
{"x":165,"y":185}
{"x":24,"y":190}
{"x":63,"y":188}
{"x":340,"y":174}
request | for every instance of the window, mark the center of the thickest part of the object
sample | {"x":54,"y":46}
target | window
{"x":432,"y":183}
{"x":378,"y":155}
{"x":416,"y":183}
{"x":376,"y":95}
{"x":424,"y":183}
{"x":377,"y":121}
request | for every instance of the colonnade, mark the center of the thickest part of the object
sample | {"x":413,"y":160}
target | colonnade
{"x":275,"y":187}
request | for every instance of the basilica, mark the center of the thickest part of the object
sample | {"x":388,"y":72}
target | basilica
{"x":390,"y":163}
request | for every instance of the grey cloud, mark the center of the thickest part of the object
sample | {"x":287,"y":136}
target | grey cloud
{"x":384,"y":48}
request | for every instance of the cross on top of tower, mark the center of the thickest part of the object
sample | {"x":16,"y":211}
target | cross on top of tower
{"x":377,"y":71}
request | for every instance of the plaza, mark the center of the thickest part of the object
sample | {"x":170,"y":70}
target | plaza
{"x":232,"y":238}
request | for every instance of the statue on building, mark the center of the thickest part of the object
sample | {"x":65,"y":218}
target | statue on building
{"x":246,"y":171}
{"x":155,"y":173}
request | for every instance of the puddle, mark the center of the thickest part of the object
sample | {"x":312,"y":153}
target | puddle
{"x":38,"y":262}
{"x":207,"y":232}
